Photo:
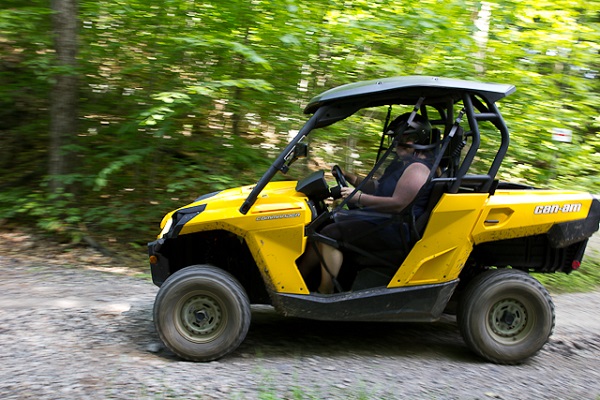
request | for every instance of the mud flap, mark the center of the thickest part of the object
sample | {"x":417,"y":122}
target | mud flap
{"x":160,"y":268}
{"x":568,"y":233}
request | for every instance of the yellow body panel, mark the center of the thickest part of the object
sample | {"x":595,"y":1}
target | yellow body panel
{"x":519,"y":213}
{"x":460,"y":221}
{"x":446,"y":244}
{"x":273,"y":229}
{"x":275,"y":252}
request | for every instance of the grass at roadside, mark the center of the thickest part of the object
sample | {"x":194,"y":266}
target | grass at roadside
{"x":585,"y":279}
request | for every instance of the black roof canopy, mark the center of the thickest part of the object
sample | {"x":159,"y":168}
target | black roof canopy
{"x":407,"y":90}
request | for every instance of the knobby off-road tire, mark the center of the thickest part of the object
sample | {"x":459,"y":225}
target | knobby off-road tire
{"x":202,"y":313}
{"x":505,"y":316}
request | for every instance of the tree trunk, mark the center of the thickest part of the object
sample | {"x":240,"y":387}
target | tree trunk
{"x":481,"y":35}
{"x":63,"y":97}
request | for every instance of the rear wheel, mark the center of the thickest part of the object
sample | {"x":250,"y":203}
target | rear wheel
{"x":505,"y":316}
{"x":202,"y":313}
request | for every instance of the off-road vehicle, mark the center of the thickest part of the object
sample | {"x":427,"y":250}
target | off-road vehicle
{"x":471,"y":253}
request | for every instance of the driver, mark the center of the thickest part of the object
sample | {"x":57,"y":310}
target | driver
{"x":397,"y":188}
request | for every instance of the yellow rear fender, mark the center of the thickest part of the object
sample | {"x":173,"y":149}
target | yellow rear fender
{"x":519,"y":213}
{"x":461,"y":221}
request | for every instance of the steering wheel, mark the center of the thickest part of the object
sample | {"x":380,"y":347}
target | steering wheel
{"x":339,"y":177}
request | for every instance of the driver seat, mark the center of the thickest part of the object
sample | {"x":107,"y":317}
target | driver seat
{"x":377,"y":270}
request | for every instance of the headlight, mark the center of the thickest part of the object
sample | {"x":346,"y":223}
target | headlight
{"x":175,"y":222}
{"x":166,"y":228}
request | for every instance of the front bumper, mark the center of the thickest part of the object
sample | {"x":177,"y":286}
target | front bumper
{"x":159,"y":264}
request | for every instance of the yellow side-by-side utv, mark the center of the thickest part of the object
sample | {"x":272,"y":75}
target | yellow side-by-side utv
{"x":470,"y":253}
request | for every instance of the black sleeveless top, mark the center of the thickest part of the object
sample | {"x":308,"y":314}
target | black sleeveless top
{"x":392,"y":174}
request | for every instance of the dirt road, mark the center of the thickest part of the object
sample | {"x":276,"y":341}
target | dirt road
{"x":72,"y":333}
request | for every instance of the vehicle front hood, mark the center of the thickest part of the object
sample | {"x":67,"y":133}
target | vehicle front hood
{"x":277,"y":201}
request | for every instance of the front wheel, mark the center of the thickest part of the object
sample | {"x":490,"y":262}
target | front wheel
{"x":202,"y":313}
{"x":505,"y":316}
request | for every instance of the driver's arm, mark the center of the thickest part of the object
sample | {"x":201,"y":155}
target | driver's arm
{"x":355,"y":180}
{"x":406,"y":190}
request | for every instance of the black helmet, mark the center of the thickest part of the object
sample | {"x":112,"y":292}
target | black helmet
{"x":418,"y":132}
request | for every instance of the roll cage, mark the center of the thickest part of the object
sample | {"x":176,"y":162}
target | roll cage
{"x":442,"y":94}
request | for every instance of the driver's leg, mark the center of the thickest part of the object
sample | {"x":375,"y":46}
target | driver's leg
{"x":332,"y":259}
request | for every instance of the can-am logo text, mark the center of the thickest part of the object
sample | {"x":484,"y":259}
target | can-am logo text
{"x":556,"y":208}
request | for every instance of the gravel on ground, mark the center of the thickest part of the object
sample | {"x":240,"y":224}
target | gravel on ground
{"x":73,"y":330}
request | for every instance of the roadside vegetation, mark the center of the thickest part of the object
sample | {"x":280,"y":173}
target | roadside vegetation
{"x":171,"y":100}
{"x":585,"y":279}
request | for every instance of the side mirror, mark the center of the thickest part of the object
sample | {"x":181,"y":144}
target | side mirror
{"x":300,"y":151}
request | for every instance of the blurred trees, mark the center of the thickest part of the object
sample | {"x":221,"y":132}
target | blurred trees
{"x":181,"y":97}
{"x":63,"y":96}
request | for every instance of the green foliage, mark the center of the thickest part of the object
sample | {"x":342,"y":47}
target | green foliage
{"x":115,"y":166}
{"x":585,"y":279}
{"x":179,"y":98}
{"x":51,"y":213}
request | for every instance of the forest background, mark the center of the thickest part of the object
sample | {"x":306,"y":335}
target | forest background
{"x":114,"y":112}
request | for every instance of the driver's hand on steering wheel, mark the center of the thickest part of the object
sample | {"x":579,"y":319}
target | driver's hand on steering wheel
{"x":347,"y":191}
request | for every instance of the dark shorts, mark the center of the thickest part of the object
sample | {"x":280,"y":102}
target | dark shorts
{"x":366,"y":230}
